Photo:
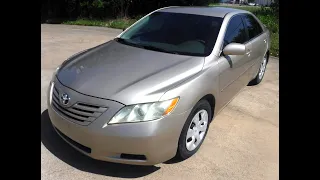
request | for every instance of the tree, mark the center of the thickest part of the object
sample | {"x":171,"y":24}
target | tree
{"x":120,"y":7}
{"x":275,"y":7}
{"x":216,"y":1}
{"x":101,"y":9}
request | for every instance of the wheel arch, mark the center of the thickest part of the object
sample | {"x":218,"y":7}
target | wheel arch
{"x":212,"y":101}
{"x":268,"y":55}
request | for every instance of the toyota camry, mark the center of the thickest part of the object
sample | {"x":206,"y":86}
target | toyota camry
{"x":149,"y":94}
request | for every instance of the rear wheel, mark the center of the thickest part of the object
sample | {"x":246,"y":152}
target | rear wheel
{"x":194,"y":130}
{"x":261,"y":72}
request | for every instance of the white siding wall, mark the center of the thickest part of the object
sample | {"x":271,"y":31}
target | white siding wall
{"x":263,"y":2}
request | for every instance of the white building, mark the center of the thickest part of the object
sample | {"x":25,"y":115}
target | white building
{"x":264,"y":2}
{"x":260,"y":2}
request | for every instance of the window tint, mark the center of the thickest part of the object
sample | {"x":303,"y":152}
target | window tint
{"x":235,"y":32}
{"x":254,"y":28}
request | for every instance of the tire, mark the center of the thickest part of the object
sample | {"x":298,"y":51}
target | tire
{"x":257,"y":80}
{"x":204,"y":109}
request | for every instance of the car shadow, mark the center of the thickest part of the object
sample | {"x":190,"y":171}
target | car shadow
{"x":229,"y":61}
{"x":58,"y":147}
{"x":173,"y":161}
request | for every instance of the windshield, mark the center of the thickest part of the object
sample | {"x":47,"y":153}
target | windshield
{"x":177,"y":33}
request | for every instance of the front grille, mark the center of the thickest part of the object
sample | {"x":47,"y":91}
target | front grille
{"x":78,"y":145}
{"x":79,"y":112}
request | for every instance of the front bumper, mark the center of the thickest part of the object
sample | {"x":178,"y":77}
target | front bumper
{"x":157,"y":140}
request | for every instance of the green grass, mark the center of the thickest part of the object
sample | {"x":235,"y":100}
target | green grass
{"x":266,"y":16}
{"x":247,"y":8}
{"x":111,"y":23}
{"x":214,"y":4}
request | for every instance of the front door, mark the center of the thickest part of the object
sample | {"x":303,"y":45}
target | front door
{"x":233,"y":68}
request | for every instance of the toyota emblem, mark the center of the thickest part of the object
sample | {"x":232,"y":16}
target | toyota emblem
{"x":64,"y":99}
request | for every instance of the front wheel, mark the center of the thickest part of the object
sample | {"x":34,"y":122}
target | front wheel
{"x":261,"y":72}
{"x":194,"y":130}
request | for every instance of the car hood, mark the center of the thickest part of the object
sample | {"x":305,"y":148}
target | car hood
{"x":126,"y":74}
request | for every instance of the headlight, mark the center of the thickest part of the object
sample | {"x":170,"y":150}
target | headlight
{"x":55,"y":72}
{"x":144,"y":112}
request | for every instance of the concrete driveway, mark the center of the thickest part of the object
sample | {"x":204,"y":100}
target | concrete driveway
{"x":242,"y":142}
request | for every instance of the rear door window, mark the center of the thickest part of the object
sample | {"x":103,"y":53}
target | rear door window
{"x":236,"y":32}
{"x":253,"y":27}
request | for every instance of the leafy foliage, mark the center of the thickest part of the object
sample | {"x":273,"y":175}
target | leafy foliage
{"x":100,"y":9}
{"x":269,"y":18}
{"x":275,"y":7}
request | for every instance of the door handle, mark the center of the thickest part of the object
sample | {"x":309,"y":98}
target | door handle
{"x":248,"y":52}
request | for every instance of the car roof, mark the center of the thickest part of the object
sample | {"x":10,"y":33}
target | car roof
{"x":206,"y":11}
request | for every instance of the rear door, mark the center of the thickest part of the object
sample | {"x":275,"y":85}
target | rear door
{"x":258,"y":40}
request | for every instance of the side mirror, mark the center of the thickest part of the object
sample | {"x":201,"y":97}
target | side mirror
{"x":234,"y":49}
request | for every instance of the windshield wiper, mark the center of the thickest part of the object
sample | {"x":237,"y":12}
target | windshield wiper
{"x":158,"y":49}
{"x":144,"y":46}
{"x":124,"y":41}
